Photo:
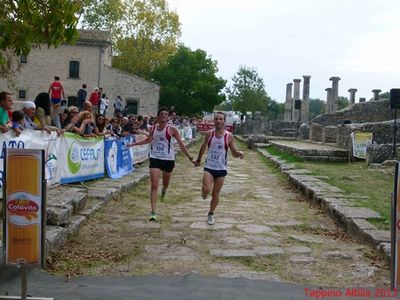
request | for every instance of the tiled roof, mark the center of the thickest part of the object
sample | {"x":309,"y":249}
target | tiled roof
{"x":94,"y":36}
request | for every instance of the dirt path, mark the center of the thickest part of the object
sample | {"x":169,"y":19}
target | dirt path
{"x":263,"y":230}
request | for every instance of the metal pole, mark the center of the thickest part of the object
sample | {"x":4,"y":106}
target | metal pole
{"x":394,"y":133}
{"x":24,"y":282}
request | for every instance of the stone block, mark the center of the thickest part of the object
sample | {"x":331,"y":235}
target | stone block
{"x":58,"y":215}
{"x":375,"y":237}
{"x":55,"y":237}
{"x":75,"y":223}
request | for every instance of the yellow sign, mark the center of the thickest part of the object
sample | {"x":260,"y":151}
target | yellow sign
{"x":24,"y":190}
{"x":361,"y":140}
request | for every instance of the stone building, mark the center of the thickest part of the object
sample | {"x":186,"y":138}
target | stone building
{"x":88,"y":61}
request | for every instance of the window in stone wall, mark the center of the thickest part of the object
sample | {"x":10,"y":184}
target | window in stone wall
{"x":22,"y":94}
{"x":74,"y":69}
{"x":132,"y":105}
{"x":23,"y":59}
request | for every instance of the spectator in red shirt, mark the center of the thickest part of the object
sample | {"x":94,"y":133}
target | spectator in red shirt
{"x":94,"y":99}
{"x":56,"y":92}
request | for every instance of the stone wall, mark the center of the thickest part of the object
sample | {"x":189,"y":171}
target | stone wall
{"x":316,"y":132}
{"x":329,"y":134}
{"x":275,"y":128}
{"x":372,"y":111}
{"x":95,"y":70}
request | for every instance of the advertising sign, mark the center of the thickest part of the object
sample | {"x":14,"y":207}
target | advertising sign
{"x":24,"y":210}
{"x":140,"y":153}
{"x":84,"y":157}
{"x":118,"y":158}
{"x":361,"y":140}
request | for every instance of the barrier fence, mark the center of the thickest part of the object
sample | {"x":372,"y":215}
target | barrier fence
{"x":71,"y":158}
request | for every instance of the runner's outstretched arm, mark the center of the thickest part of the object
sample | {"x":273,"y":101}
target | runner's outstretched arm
{"x":143,"y":142}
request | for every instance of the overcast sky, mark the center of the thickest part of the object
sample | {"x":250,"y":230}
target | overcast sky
{"x":357,"y":40}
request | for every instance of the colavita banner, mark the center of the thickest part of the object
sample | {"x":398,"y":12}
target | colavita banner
{"x":84,"y":158}
{"x":361,"y":140}
{"x":24,"y":208}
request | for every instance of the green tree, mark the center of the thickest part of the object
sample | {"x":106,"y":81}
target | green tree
{"x":27,"y":22}
{"x":343,"y":102}
{"x":316,"y":107}
{"x":247,"y":92}
{"x":275,"y":110}
{"x":144,"y":32}
{"x":189,"y":83}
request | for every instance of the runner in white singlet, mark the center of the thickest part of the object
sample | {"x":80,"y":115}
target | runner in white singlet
{"x":218,"y":141}
{"x":162,"y":156}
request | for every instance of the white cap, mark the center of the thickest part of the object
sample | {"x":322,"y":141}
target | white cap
{"x":29,"y":104}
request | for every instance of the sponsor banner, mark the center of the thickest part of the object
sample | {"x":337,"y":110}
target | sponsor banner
{"x":140,"y":153}
{"x":118,"y":158}
{"x":24,"y":206}
{"x":35,"y":139}
{"x":202,"y":127}
{"x":361,"y":140}
{"x":84,"y":158}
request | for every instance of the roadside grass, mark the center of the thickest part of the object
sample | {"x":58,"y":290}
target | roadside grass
{"x":354,"y":179}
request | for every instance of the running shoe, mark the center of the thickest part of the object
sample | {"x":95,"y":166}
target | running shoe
{"x":162,"y":198}
{"x":153,"y":217}
{"x":210,"y":219}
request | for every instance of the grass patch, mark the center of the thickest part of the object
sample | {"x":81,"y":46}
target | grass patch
{"x":367,"y":187}
{"x":283,"y":155}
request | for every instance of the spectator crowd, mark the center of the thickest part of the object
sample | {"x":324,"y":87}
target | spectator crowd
{"x":50,"y":112}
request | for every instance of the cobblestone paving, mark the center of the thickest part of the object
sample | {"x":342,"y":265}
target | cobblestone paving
{"x":264,"y":230}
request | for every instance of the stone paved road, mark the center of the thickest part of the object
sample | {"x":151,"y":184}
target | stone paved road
{"x":263,"y":230}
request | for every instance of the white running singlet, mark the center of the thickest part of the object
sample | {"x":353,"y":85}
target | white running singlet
{"x":161,"y":146}
{"x":217,"y":152}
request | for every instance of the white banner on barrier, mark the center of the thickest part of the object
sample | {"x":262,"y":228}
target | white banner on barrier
{"x":140,"y":153}
{"x":35,"y":139}
{"x":84,"y":158}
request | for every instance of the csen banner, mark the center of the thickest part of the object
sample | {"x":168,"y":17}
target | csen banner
{"x":360,"y":142}
{"x":84,"y":158}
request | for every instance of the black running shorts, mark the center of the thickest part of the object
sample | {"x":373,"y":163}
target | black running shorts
{"x":163,"y":165}
{"x":216,"y":173}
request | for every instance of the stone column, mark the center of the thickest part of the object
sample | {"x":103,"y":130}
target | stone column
{"x":305,"y":105}
{"x":296,"y":96}
{"x":335,"y":93}
{"x":288,"y":103}
{"x":376,"y":94}
{"x":352,"y":96}
{"x":361,"y":100}
{"x":328,"y":106}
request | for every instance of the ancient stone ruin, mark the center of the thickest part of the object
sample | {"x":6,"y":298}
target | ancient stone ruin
{"x":334,"y":127}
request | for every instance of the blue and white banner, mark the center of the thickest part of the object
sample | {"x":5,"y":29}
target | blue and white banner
{"x":118,"y":158}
